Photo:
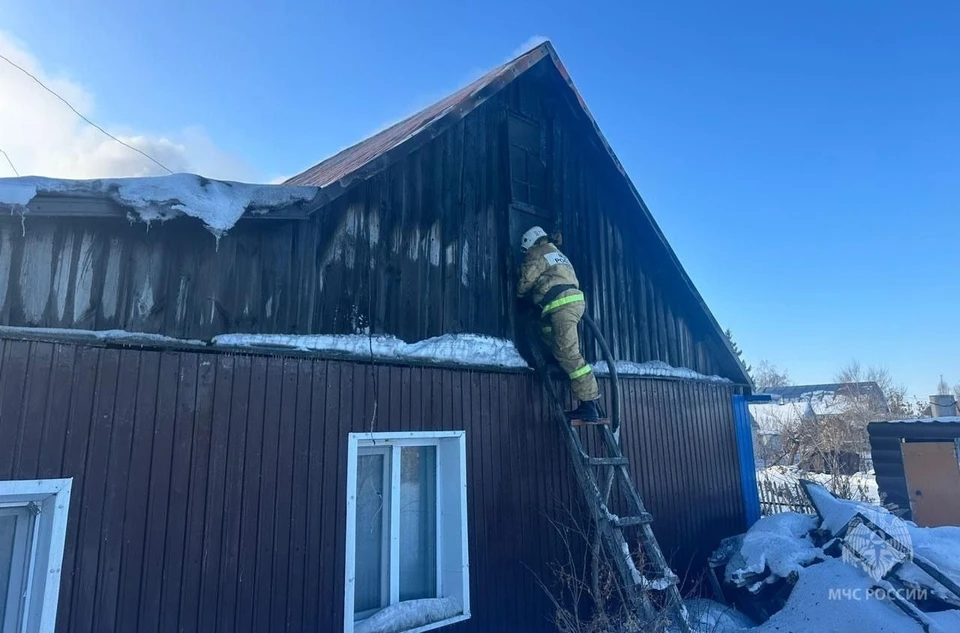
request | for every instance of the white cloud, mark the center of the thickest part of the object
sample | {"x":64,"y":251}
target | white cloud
{"x":530,"y":42}
{"x":43,"y":137}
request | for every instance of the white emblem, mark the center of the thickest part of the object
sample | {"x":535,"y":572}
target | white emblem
{"x":556,"y":258}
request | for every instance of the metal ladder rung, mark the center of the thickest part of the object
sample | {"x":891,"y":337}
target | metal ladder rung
{"x":607,"y":461}
{"x":642,"y":519}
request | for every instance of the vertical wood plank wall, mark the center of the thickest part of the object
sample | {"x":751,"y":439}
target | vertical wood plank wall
{"x":419,"y":250}
{"x":209,"y":488}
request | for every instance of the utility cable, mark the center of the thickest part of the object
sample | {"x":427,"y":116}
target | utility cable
{"x":75,"y":111}
{"x":5,"y":155}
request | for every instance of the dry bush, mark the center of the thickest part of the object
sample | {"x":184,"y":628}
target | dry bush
{"x":586,"y":595}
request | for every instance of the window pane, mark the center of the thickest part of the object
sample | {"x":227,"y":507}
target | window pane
{"x":15,"y":531}
{"x":521,"y":192}
{"x":418,"y":522}
{"x":373,"y":510}
{"x":537,"y":197}
{"x":518,"y":164}
{"x":524,"y":133}
{"x":8,"y":528}
{"x":536,"y":174}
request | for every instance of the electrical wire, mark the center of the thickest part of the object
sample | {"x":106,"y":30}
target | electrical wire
{"x":75,"y":111}
{"x":10,"y":163}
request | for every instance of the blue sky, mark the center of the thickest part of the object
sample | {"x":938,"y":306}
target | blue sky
{"x":803,"y":160}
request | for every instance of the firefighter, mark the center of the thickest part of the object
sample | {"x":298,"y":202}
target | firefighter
{"x":548,"y":277}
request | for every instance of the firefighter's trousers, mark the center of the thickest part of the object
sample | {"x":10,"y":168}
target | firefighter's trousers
{"x":559,"y":330}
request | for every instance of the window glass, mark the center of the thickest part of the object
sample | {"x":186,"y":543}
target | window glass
{"x":418,"y":522}
{"x":15,"y":532}
{"x":527,"y":171}
{"x":373,"y":509}
{"x":8,"y":528}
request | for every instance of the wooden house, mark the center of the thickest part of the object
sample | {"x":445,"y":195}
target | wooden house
{"x":209,"y":487}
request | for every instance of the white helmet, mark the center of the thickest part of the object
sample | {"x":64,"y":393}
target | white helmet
{"x":530,"y":238}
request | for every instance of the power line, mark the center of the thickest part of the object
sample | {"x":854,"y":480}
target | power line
{"x":42,"y":85}
{"x":10,"y":162}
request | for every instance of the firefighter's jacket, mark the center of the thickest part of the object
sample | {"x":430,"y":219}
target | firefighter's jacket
{"x":544,"y":271}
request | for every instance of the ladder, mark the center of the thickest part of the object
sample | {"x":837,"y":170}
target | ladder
{"x":612,"y":470}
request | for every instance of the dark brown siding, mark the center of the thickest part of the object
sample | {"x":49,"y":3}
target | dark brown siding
{"x":209,"y":489}
{"x":885,"y":440}
{"x":422,"y":248}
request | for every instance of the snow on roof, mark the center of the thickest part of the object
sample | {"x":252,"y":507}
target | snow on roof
{"x":463,"y":349}
{"x":941,"y":420}
{"x":774,"y":417}
{"x":829,"y":399}
{"x":218,"y":204}
{"x":106,"y":336}
{"x":655,"y":368}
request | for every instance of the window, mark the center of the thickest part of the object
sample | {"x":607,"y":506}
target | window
{"x":406,"y":542}
{"x":527,"y":172}
{"x":33,"y":526}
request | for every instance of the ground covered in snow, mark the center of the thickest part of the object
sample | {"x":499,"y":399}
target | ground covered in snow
{"x":835,"y":591}
{"x":218,"y":204}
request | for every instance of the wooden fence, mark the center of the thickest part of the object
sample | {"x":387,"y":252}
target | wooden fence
{"x":781,"y":496}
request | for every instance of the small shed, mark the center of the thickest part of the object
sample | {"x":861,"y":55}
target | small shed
{"x":917,"y":462}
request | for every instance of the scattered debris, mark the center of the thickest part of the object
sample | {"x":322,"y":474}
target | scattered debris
{"x":852,"y":567}
{"x":776,"y":547}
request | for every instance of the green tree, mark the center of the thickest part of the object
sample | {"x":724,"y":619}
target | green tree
{"x":739,"y":352}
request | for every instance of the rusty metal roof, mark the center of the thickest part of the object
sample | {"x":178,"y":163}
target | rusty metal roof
{"x":346,"y":165}
{"x":361,"y":161}
{"x":373,"y":154}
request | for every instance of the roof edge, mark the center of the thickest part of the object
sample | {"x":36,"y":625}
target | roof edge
{"x":503,"y":76}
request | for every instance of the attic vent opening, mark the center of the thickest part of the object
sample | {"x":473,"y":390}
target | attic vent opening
{"x":527,"y":169}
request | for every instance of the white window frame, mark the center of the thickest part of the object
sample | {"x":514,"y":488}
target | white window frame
{"x":453,"y":577}
{"x":50,"y":499}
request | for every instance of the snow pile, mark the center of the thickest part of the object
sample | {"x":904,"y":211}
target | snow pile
{"x":218,"y":204}
{"x":833,"y":597}
{"x":655,"y":368}
{"x":463,"y":349}
{"x":708,"y":616}
{"x":15,"y":194}
{"x":941,"y":545}
{"x":810,"y":589}
{"x":107,"y":336}
{"x":836,"y":513}
{"x":780,"y":543}
{"x":410,"y":614}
